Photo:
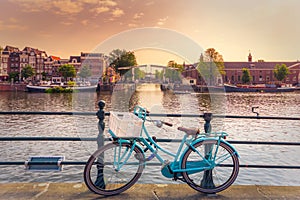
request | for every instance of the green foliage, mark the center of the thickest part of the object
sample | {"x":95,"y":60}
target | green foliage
{"x":139,"y":74}
{"x":44,"y":75}
{"x":13,"y":76}
{"x":67,"y":71}
{"x":212,"y":55}
{"x":84,"y":72}
{"x":173,"y":75}
{"x":27,"y":72}
{"x":159,"y":74}
{"x":246,"y":77}
{"x":281,"y":72}
{"x":211,"y":66}
{"x":173,"y":64}
{"x":71,"y":83}
{"x":115,"y":54}
{"x":59,"y":89}
{"x":122,"y":59}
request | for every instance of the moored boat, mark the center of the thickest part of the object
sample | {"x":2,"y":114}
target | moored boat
{"x":257,"y":88}
{"x":34,"y":88}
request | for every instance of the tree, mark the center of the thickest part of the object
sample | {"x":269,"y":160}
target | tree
{"x":14,"y":76}
{"x":174,"y":64}
{"x":115,"y":54}
{"x":67,"y":71}
{"x":139,"y":74}
{"x":122,"y":58}
{"x":84,"y":72}
{"x":1,"y":49}
{"x":211,"y":65}
{"x":159,"y":74}
{"x":281,"y":72}
{"x":44,"y":76}
{"x":27,"y":72}
{"x":173,"y":75}
{"x":246,"y":78}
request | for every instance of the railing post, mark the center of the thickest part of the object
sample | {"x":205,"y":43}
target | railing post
{"x":207,"y":118}
{"x":101,"y":125}
{"x":207,"y":181}
{"x":100,"y":142}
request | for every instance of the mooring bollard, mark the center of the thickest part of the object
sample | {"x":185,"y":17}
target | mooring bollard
{"x":100,"y":142}
{"x":207,"y":181}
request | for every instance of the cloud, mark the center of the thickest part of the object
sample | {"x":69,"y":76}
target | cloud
{"x":33,"y":5}
{"x":138,"y":16}
{"x":132,"y":25}
{"x":66,"y":23}
{"x":101,"y":9}
{"x":108,"y":3}
{"x":12,"y":26}
{"x":67,"y":6}
{"x":150,"y":3}
{"x":84,"y":22}
{"x":117,"y":12}
{"x":64,"y":6}
{"x":162,"y":21}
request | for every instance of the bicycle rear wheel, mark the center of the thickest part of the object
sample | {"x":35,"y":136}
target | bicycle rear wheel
{"x":221,"y":176}
{"x":113,"y":168}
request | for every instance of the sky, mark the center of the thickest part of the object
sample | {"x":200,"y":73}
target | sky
{"x":269,"y":29}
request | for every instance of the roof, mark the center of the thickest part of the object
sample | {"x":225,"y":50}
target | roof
{"x":11,"y":49}
{"x":257,"y":65}
{"x":77,"y":58}
{"x":55,"y":58}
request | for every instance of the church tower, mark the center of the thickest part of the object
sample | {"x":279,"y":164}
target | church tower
{"x":249,"y":57}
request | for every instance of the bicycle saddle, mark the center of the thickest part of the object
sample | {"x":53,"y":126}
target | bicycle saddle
{"x":189,"y":131}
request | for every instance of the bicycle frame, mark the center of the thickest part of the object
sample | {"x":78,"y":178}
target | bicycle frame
{"x":204,"y":161}
{"x":172,"y":169}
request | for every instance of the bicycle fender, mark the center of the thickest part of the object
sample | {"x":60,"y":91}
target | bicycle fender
{"x":124,"y":141}
{"x":204,"y":139}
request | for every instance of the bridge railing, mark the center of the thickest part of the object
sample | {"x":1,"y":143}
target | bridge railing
{"x":206,"y":126}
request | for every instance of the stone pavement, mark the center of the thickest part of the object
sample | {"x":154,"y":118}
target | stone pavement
{"x":79,"y":191}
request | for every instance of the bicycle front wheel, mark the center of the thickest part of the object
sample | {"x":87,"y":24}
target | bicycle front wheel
{"x":219,"y":162}
{"x":113,"y":168}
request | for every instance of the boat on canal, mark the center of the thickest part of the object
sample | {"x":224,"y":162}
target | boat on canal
{"x":36,"y":88}
{"x":258,"y":88}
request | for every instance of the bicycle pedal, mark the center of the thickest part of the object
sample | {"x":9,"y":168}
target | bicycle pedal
{"x":180,"y":179}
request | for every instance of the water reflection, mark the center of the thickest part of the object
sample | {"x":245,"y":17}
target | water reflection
{"x":286,"y":104}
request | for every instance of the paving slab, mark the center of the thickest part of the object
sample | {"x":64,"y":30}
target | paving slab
{"x":78,"y":191}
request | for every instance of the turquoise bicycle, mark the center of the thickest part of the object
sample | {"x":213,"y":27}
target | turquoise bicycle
{"x":205,"y":161}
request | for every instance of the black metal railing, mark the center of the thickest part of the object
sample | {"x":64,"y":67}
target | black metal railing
{"x":207,"y":125}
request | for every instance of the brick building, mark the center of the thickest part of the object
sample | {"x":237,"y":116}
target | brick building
{"x":13,"y":61}
{"x":262,"y":72}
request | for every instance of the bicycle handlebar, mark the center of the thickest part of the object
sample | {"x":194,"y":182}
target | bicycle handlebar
{"x":143,"y":112}
{"x":167,"y":123}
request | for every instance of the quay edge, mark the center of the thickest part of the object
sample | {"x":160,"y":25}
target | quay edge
{"x":5,"y":87}
{"x":143,"y":191}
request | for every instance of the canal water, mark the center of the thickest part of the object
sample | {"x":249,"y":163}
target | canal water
{"x":270,"y":104}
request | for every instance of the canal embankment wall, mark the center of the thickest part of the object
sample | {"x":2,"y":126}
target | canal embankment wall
{"x":79,"y":191}
{"x":12,"y":87}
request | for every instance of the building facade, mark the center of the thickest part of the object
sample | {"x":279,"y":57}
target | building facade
{"x":45,"y":67}
{"x":261,"y":72}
